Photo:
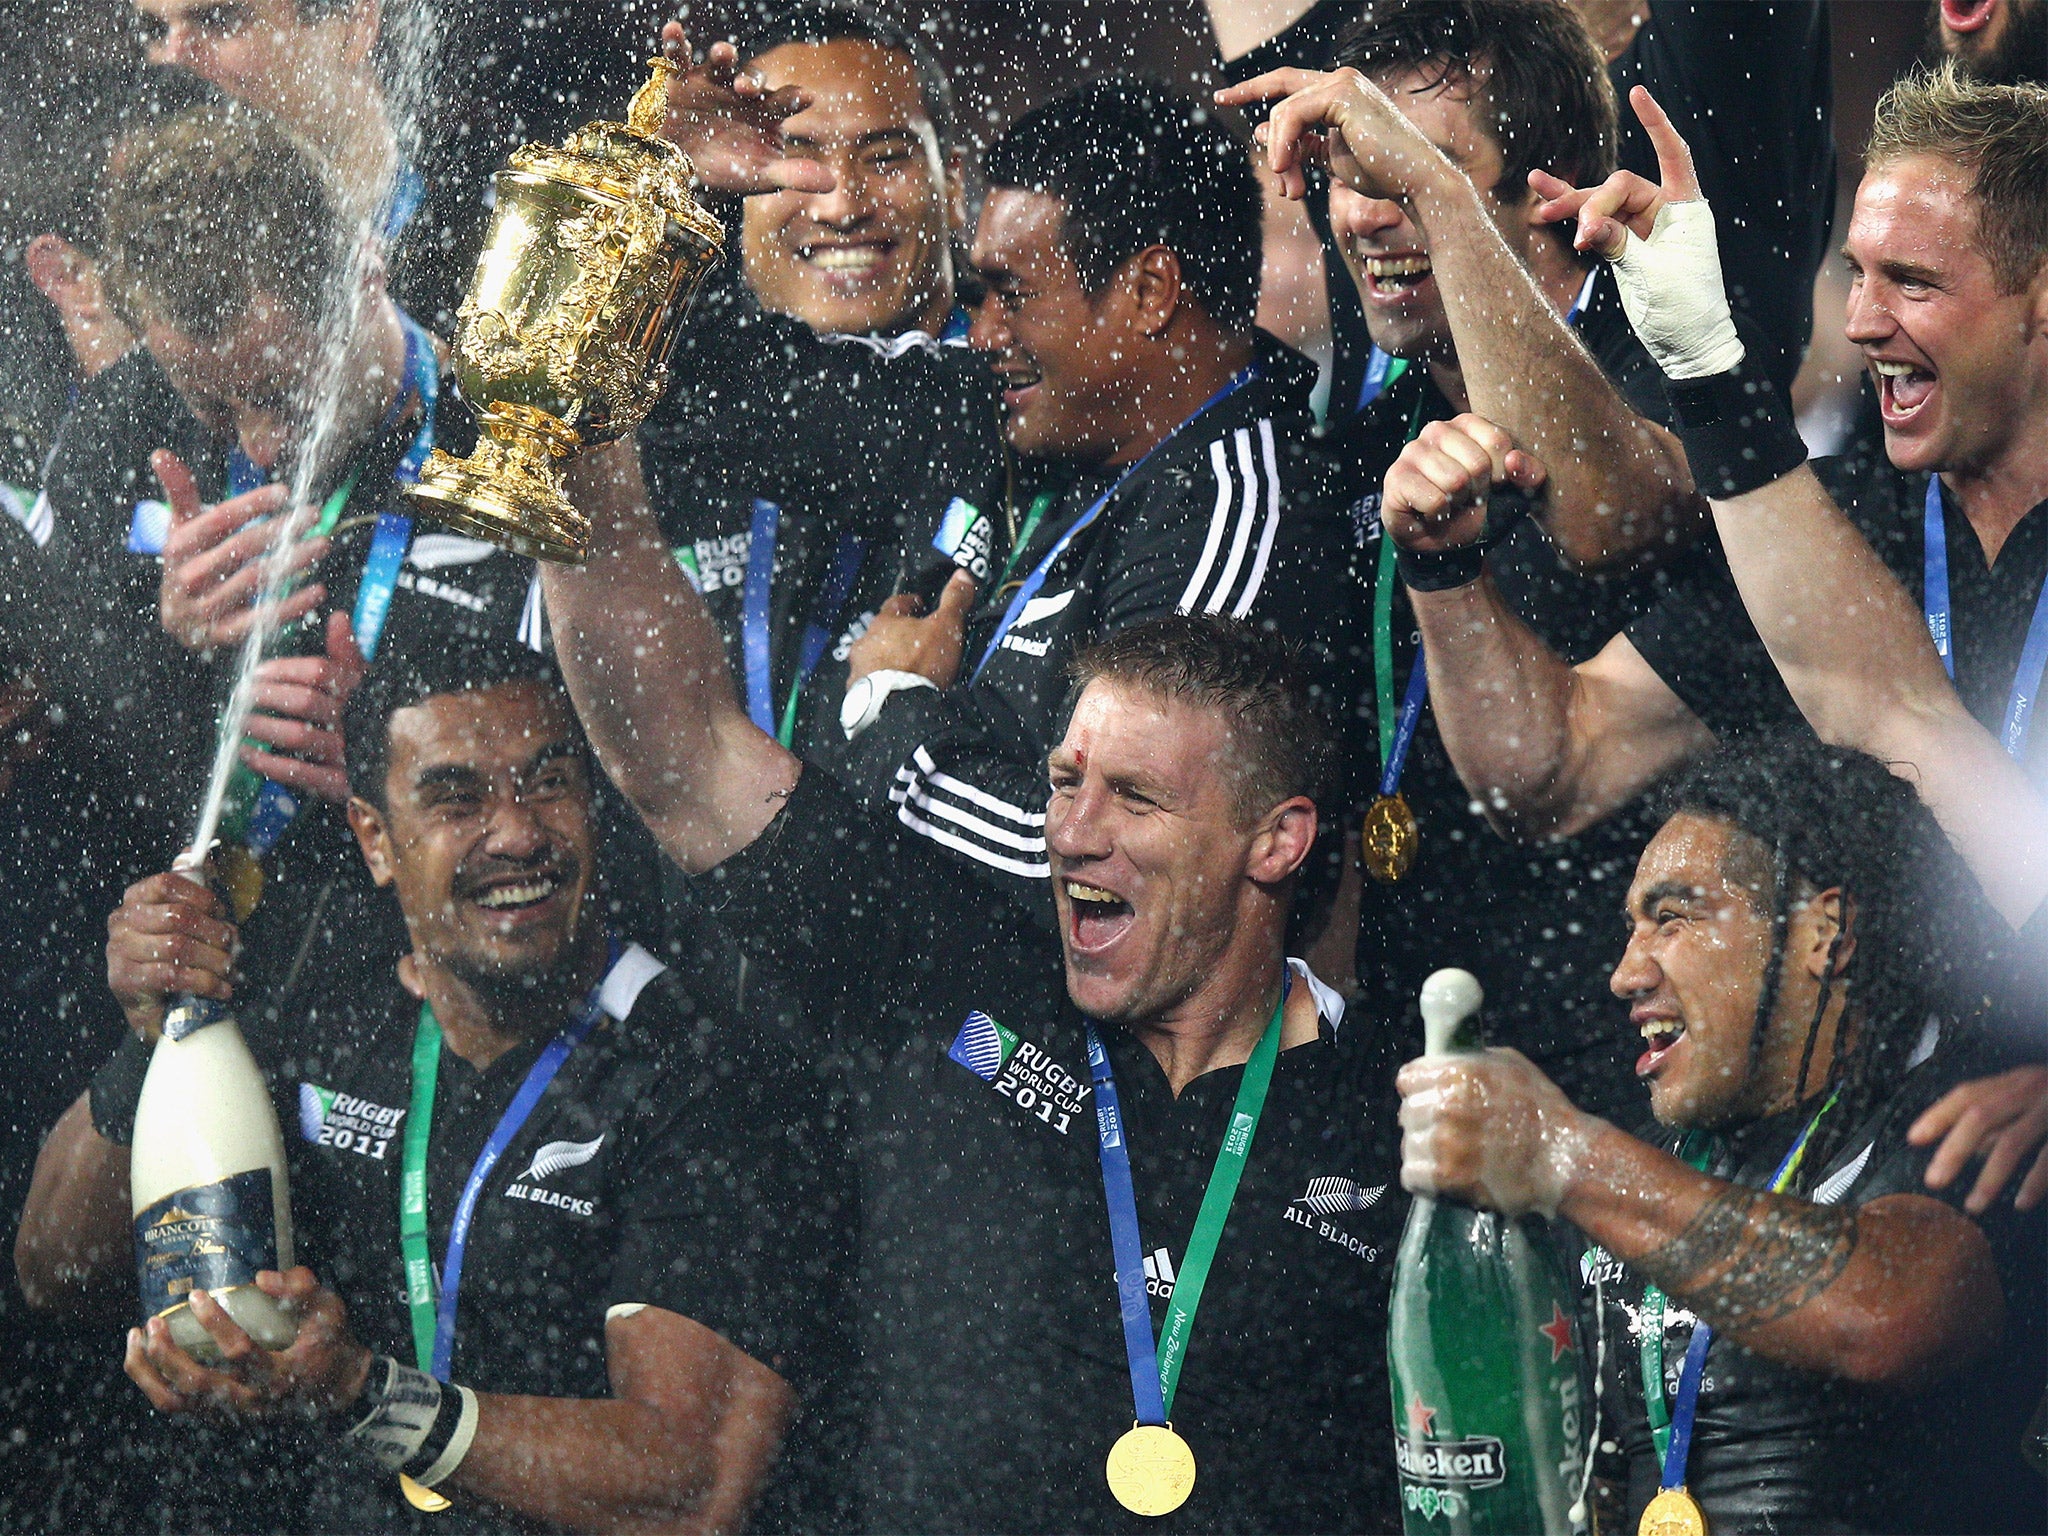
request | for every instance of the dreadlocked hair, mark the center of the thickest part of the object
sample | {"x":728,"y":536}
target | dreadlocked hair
{"x":1814,"y":818}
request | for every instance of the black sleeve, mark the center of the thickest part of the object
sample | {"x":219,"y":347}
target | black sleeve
{"x":739,"y":1213}
{"x":872,"y":928}
{"x":1751,"y":89}
{"x":1698,"y":638}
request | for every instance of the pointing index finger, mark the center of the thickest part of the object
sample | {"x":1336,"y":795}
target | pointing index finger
{"x":1674,"y":156}
{"x":1270,"y":86}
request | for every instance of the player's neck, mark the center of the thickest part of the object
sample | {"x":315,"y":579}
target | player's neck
{"x":481,"y":1024}
{"x":1221,"y":1024}
{"x":1203,"y":363}
{"x":1995,"y":494}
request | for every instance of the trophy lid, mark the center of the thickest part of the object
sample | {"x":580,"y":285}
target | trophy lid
{"x":629,"y":161}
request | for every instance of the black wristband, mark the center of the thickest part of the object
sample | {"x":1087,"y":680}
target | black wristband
{"x":117,"y":1089}
{"x":1737,"y":432}
{"x":1445,"y":569}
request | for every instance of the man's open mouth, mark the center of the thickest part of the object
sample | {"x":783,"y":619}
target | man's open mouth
{"x":1392,"y":276}
{"x":1659,"y":1036}
{"x":518,"y":895}
{"x":1902,"y":389}
{"x":848,"y":261}
{"x":1100,"y":916}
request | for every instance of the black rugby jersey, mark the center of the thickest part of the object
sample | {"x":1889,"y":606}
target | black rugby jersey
{"x":996,"y":1374}
{"x":668,"y":1164}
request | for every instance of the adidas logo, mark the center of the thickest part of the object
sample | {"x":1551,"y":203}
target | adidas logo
{"x":1159,"y":1275}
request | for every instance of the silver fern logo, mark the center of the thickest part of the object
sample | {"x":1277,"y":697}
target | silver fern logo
{"x":557,"y":1155}
{"x":1328,"y":1196}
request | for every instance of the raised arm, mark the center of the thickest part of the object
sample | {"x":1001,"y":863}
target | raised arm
{"x":1849,"y":643}
{"x":1546,"y":748}
{"x":1620,"y":489}
{"x":647,"y":669}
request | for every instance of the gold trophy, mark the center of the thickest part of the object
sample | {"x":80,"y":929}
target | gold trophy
{"x":592,"y":254}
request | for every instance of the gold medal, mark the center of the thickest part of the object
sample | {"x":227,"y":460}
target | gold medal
{"x":421,"y":1497}
{"x":1151,"y":1470}
{"x":1674,"y":1512}
{"x":1387,"y":841}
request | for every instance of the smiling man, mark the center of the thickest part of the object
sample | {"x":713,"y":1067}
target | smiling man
{"x":1169,"y":442}
{"x":618,"y":1335}
{"x":1800,"y":938}
{"x":1182,"y":804}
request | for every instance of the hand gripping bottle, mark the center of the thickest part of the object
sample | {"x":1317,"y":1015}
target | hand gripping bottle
{"x":206,"y":1176}
{"x":1482,"y":1350}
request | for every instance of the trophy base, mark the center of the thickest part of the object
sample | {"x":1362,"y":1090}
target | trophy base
{"x":509,"y":493}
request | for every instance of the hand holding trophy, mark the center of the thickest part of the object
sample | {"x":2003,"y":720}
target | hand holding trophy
{"x":592,"y":253}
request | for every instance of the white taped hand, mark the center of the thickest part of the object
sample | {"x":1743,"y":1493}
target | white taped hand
{"x":1671,"y":287}
{"x":1488,"y":1129}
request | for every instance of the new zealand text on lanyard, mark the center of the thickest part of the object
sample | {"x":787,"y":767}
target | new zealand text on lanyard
{"x":1028,"y":589}
{"x":2026,"y":678}
{"x":1389,"y":836}
{"x":1151,"y":1470}
{"x":274,"y":806}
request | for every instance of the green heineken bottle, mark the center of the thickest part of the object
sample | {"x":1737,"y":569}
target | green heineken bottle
{"x":1482,"y":1349}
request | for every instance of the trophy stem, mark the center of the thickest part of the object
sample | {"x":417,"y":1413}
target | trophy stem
{"x":508,"y":491}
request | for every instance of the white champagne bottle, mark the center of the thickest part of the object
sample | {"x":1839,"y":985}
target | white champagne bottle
{"x":206,"y":1178}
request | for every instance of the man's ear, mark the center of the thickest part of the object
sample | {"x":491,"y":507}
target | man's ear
{"x":1152,"y":278}
{"x":1827,"y":918}
{"x":1286,"y":835}
{"x":374,"y":838}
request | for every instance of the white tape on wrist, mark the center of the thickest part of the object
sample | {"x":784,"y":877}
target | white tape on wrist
{"x":1672,"y":290}
{"x":458,"y":1444}
{"x":401,"y":1406}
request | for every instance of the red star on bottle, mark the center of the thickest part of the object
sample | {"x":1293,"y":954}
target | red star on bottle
{"x":1559,"y":1331}
{"x":1419,"y":1416}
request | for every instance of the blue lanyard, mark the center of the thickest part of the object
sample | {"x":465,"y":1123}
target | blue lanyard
{"x":408,"y":187}
{"x":2026,"y":678}
{"x":275,"y":805}
{"x":1030,"y":585}
{"x":756,"y":646}
{"x":1694,"y":1369}
{"x":1404,"y":729}
{"x":538,"y":1076}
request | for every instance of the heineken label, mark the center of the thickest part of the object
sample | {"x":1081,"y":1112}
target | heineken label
{"x":1476,"y":1462}
{"x":209,"y":1238}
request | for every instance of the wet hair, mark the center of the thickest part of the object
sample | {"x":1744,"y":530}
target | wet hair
{"x":1999,"y":133}
{"x":406,"y":674}
{"x":773,"y":26}
{"x":208,"y":209}
{"x":1139,"y":163}
{"x":1537,"y":74}
{"x":1810,"y":818}
{"x":1229,"y":665}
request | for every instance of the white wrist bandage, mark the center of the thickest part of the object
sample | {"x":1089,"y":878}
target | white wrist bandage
{"x":413,"y":1424}
{"x":1671,"y":287}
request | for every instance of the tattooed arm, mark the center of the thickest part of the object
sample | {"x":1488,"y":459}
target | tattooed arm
{"x":1889,"y":1293}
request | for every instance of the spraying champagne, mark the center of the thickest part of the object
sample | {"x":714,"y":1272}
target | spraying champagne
{"x":207,"y":1179}
{"x":1481,"y":1350}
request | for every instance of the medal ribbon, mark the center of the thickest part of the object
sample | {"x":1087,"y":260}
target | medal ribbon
{"x":433,"y":1321}
{"x":756,"y":644}
{"x":1040,"y":505}
{"x":1679,"y":1444}
{"x":1155,"y":1369}
{"x":1029,"y":588}
{"x":2026,"y":678}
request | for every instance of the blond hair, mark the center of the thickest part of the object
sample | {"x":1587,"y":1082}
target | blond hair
{"x":2000,"y":134}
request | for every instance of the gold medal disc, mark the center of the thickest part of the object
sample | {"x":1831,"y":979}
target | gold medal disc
{"x":1674,"y":1512}
{"x":421,"y":1497}
{"x":1151,"y":1470}
{"x":1387,"y":841}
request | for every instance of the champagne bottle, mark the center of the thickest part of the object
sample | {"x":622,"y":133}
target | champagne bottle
{"x":1482,"y":1351}
{"x":206,"y":1178}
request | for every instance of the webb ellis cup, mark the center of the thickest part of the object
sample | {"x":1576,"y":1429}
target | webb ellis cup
{"x":592,"y":254}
